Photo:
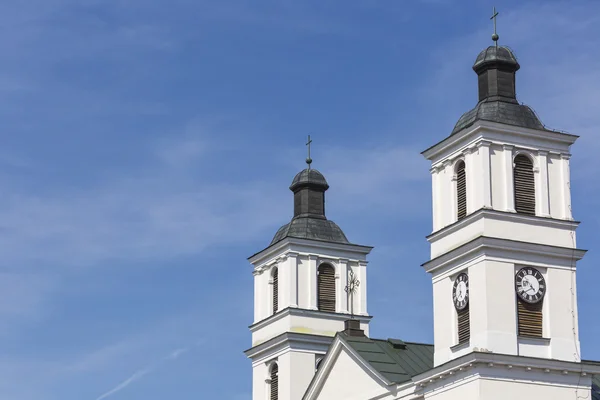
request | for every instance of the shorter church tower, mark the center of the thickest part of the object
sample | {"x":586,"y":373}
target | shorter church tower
{"x":301,"y":298}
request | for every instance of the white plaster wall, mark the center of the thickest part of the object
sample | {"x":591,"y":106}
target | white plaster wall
{"x":347,"y":380}
{"x":502,"y":389}
{"x":323,"y":325}
{"x":444,"y":336}
{"x":562,"y":323}
{"x":501,"y":384}
{"x":259,"y":385}
{"x":504,"y":227}
{"x":302,"y":371}
{"x":555,"y":186}
{"x":492,"y":305}
{"x":458,"y":390}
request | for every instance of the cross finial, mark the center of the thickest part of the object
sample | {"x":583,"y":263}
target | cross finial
{"x":353,"y":284}
{"x":495,"y":36}
{"x":308,"y":159}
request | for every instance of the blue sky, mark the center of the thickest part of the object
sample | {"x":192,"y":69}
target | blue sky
{"x":146,"y":150}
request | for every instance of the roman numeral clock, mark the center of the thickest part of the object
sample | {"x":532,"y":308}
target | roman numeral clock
{"x":460,"y":292}
{"x":530,"y":285}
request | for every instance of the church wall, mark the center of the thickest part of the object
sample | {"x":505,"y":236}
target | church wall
{"x":444,"y":322}
{"x":349,"y":381}
{"x":560,"y":301}
{"x":260,"y":374}
{"x":534,"y":389}
{"x":492,"y":305}
{"x":302,"y":370}
{"x":465,"y":389}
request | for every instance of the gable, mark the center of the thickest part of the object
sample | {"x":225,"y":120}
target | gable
{"x":348,"y":379}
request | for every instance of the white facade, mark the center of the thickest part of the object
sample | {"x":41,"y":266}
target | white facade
{"x":298,"y":334}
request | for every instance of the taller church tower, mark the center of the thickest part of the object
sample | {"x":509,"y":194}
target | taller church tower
{"x":300,"y":295}
{"x":503,"y":247}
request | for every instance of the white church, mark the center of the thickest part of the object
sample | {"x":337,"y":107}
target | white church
{"x":502,"y":265}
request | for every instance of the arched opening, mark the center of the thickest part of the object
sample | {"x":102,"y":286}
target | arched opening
{"x":275,"y":299}
{"x":461,"y":190}
{"x":274,"y":382}
{"x":524,"y":183}
{"x":326,"y":288}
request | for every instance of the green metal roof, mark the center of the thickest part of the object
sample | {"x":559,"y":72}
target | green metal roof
{"x":396,"y":360}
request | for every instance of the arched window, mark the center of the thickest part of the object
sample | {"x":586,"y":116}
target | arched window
{"x":461,"y":190}
{"x":524,"y":185}
{"x":274,"y":382}
{"x":275,"y":289}
{"x":326,"y":288}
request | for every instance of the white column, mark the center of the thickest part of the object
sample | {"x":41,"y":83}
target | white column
{"x":434,"y":198}
{"x":361,"y":307}
{"x":449,"y":197}
{"x":509,"y":189}
{"x":473,"y":181}
{"x":544,"y":195}
{"x":292,"y":266}
{"x":312,"y":282}
{"x":284,"y":277}
{"x":567,"y":212}
{"x":259,"y":293}
{"x":342,"y":295}
{"x":486,"y":182}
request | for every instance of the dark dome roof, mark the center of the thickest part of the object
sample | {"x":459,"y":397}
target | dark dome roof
{"x":311,"y":228}
{"x":309,"y":177}
{"x":501,"y":112}
{"x":496,"y":55}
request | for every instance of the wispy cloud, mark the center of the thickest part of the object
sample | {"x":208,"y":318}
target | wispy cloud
{"x":139,"y":374}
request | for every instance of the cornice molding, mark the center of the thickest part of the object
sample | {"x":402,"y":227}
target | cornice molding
{"x":489,"y":131}
{"x":303,"y":312}
{"x":477,"y":360}
{"x":501,"y":216}
{"x":511,"y":249}
{"x":291,"y":245}
{"x":288,"y":340}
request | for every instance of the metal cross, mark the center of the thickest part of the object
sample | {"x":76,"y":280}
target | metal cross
{"x":495,"y":36}
{"x":308,"y":159}
{"x":353,"y":284}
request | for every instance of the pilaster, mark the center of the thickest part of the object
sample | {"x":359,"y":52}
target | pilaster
{"x":566,"y":185}
{"x":509,"y":199}
{"x":544,"y":195}
{"x":341,"y":288}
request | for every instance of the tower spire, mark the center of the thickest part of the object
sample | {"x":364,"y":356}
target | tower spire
{"x":495,"y":36}
{"x":308,"y":159}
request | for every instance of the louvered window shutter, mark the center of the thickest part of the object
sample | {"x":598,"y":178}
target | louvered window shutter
{"x":461,"y":190}
{"x":530,"y":318}
{"x":326,"y":288}
{"x":274,"y":382}
{"x":524,"y":185}
{"x":275,"y":290}
{"x":464,"y":329}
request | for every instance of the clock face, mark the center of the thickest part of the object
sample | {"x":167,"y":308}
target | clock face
{"x":460,"y":292}
{"x":530,"y":285}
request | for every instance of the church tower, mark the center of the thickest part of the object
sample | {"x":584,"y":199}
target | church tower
{"x":301,"y":296}
{"x":503,"y":247}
